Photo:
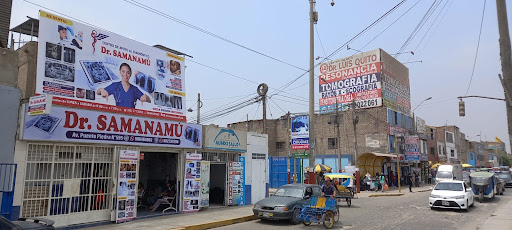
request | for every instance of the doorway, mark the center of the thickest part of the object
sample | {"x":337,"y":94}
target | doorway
{"x":217,"y":184}
{"x":155,"y":170}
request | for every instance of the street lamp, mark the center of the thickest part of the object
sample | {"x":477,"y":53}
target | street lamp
{"x":413,"y":117}
{"x":410,"y":62}
{"x":408,"y":52}
{"x":323,"y":58}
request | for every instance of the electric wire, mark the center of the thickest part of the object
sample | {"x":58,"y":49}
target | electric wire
{"x":477,"y":48}
{"x":277,"y":105}
{"x":255,"y":113}
{"x":160,"y":13}
{"x":282,"y":88}
{"x":320,"y":40}
{"x":418,"y":27}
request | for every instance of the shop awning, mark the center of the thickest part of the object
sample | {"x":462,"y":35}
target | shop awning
{"x":372,"y":162}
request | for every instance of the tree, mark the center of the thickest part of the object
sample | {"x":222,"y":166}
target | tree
{"x":504,"y":159}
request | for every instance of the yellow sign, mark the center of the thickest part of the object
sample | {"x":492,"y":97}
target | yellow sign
{"x":55,"y":18}
{"x":177,"y":93}
{"x":175,"y":56}
{"x":498,"y":140}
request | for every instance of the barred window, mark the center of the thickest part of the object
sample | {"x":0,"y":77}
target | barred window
{"x":331,"y":143}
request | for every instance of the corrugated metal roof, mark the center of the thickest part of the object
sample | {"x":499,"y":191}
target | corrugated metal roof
{"x":29,"y":27}
{"x":5,"y":21}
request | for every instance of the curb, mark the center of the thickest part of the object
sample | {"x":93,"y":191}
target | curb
{"x":216,"y":224}
{"x":391,"y":194}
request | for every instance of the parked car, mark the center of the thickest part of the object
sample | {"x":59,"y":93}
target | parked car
{"x":506,"y":177}
{"x":451,"y":194}
{"x":283,"y":204}
{"x":26,"y":223}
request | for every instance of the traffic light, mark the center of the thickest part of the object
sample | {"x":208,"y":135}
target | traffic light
{"x":462,"y":109}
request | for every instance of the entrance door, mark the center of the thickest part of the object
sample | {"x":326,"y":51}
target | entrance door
{"x":258,"y":186}
{"x":218,"y":180}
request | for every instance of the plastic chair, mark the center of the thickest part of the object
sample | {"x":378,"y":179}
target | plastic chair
{"x":170,"y":201}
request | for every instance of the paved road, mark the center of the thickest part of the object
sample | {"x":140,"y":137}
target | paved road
{"x":410,"y":211}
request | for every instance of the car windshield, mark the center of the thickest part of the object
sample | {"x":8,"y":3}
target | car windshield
{"x":449,"y":186}
{"x":444,"y":175}
{"x":504,"y":176}
{"x":290,"y":192}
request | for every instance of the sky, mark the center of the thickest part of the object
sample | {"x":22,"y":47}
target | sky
{"x":445,"y":45}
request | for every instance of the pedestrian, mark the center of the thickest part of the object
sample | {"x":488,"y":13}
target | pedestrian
{"x":430,"y":178}
{"x":392,"y":178}
{"x":410,"y":181}
{"x":382,"y":181}
{"x":377,"y":182}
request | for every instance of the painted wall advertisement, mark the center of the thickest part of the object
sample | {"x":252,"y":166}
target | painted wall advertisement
{"x":396,"y":93}
{"x":236,"y":182}
{"x":300,"y":132}
{"x":90,"y":126}
{"x":225,"y":139}
{"x":127,"y":185}
{"x":205,"y":184}
{"x":412,"y":149}
{"x":355,"y":78}
{"x":192,"y":192}
{"x":95,"y":69}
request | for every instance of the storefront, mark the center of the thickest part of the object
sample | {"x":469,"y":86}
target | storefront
{"x":222,"y":146}
{"x":67,"y":173}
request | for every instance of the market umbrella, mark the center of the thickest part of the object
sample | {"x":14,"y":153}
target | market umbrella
{"x":321,"y":168}
{"x":467,"y":165}
{"x":435,"y":165}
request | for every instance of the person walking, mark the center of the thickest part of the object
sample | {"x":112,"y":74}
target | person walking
{"x":382,"y":181}
{"x":410,"y":181}
{"x":429,"y":178}
{"x":392,"y":178}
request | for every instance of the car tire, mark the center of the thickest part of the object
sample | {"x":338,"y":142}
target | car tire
{"x":472,"y":204}
{"x":294,"y":220}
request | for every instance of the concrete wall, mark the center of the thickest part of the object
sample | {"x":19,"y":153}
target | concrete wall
{"x":26,"y":81}
{"x":9,"y":67}
{"x":256,"y":170}
{"x":372,"y":126}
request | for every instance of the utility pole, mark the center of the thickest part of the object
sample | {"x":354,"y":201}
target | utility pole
{"x":199,"y":105}
{"x":355,"y":121}
{"x":506,"y":58}
{"x":338,"y":135}
{"x":262,"y":91}
{"x":313,"y":18}
{"x":397,"y":149}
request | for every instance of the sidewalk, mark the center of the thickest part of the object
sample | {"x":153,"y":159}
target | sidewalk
{"x":500,"y":219}
{"x":209,"y":218}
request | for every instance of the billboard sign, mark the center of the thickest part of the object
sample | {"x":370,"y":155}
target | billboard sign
{"x":96,"y":69}
{"x":412,"y":150}
{"x":225,"y":139}
{"x":40,"y":104}
{"x":396,"y":93}
{"x":300,"y":132}
{"x":356,"y":78}
{"x":90,"y":126}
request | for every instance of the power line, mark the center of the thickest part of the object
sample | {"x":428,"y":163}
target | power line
{"x":278,"y":105}
{"x":477,"y":47}
{"x":160,"y":13}
{"x":320,"y":40}
{"x":346,"y":43}
{"x":254,"y":117}
{"x":418,"y":27}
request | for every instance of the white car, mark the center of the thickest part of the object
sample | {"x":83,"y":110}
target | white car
{"x":451,"y":194}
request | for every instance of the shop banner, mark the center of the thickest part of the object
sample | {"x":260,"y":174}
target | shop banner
{"x":300,"y":132}
{"x":205,"y":184}
{"x":192,"y":183}
{"x":355,"y":78}
{"x":127,"y":185}
{"x":40,"y":104}
{"x":225,"y":139}
{"x":236,"y":170}
{"x":97,"y":69}
{"x":412,"y":151}
{"x":89,"y":126}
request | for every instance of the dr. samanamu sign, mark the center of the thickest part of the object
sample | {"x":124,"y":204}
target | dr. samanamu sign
{"x":225,"y":139}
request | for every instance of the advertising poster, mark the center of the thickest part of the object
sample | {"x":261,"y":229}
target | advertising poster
{"x":355,"y":78}
{"x":40,"y":104}
{"x":300,"y":132}
{"x":96,"y":69}
{"x":396,"y":92}
{"x":127,"y":186}
{"x":192,"y":182}
{"x":90,"y":126}
{"x":412,"y":151}
{"x":205,"y":184}
{"x":225,"y":139}
{"x":236,"y":170}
